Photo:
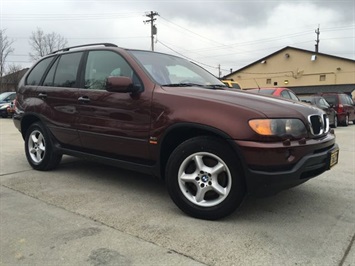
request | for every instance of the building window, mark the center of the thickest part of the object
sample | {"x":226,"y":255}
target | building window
{"x":275,"y":83}
{"x":268,"y":81}
{"x":322,"y":78}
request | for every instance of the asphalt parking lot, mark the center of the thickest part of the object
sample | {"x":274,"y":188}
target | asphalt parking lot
{"x":84,"y":213}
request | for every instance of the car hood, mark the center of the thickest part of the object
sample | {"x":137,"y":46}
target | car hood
{"x":4,"y":103}
{"x":270,"y":106}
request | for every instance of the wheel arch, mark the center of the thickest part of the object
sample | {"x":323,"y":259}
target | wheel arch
{"x":26,"y":122}
{"x":181,"y":132}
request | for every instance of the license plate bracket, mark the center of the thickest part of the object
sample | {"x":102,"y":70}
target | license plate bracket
{"x":333,"y":158}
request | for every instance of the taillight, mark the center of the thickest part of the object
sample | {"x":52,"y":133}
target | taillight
{"x":340,"y":108}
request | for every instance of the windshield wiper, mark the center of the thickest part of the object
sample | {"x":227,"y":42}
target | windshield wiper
{"x":216,"y":86}
{"x":189,"y":84}
{"x":183,"y":84}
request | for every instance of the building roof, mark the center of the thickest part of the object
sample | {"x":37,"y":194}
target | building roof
{"x":289,"y":48}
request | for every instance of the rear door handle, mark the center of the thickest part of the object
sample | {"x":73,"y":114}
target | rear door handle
{"x":84,"y":99}
{"x":42,"y":95}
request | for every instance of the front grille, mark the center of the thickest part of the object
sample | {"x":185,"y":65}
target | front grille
{"x":319,"y":124}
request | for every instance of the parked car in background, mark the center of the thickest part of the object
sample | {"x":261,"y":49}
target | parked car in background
{"x":321,"y":103}
{"x":6,"y":99}
{"x":231,"y":83}
{"x":166,"y":116}
{"x":278,"y":92}
{"x":343,"y":105}
{"x":6,"y":110}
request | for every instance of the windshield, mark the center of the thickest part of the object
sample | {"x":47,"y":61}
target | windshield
{"x":170,"y":70}
{"x":4,"y":95}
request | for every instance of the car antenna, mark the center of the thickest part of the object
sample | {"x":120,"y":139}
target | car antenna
{"x":257,"y":85}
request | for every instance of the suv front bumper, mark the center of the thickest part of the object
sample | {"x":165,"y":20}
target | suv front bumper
{"x":270,"y":178}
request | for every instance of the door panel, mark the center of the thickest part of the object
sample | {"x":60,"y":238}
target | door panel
{"x":111,"y":122}
{"x":59,"y":107}
{"x":59,"y":96}
{"x":114,"y":123}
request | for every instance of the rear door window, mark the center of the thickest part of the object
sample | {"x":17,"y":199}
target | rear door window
{"x":64,"y":71}
{"x":331,"y":99}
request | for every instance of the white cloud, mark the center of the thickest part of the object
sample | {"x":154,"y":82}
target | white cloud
{"x":231,"y":33}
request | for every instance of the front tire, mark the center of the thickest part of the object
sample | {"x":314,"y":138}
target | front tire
{"x":204,"y":178}
{"x":39,"y":149}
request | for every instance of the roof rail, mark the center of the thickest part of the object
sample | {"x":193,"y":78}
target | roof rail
{"x":84,"y":45}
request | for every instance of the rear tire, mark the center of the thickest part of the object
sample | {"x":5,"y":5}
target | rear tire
{"x":346,"y":121}
{"x":39,"y":148}
{"x":335,"y":125}
{"x":204,"y":178}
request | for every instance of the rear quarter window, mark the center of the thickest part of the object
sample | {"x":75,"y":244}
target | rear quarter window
{"x":285,"y":94}
{"x":345,"y":99}
{"x":36,"y":74}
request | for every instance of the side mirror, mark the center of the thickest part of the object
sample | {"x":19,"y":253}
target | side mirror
{"x":120,"y":84}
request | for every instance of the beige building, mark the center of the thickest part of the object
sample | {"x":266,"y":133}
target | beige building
{"x":303,"y":71}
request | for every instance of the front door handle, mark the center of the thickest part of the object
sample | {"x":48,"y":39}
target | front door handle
{"x":84,"y":99}
{"x":42,"y":95}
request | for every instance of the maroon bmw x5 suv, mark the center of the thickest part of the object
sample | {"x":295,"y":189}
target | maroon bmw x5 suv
{"x":163,"y":115}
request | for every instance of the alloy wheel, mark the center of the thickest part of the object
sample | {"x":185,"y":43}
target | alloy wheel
{"x":36,"y":146}
{"x":204,"y":179}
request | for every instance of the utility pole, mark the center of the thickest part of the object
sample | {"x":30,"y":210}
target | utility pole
{"x":219,"y":71}
{"x":153,"y":28}
{"x":317,"y":41}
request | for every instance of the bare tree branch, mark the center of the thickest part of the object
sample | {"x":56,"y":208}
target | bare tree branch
{"x":43,"y":44}
{"x":5,"y":50}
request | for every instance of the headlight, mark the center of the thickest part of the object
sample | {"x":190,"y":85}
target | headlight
{"x":278,"y":127}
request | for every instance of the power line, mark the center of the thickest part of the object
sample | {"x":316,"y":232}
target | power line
{"x":78,"y":16}
{"x":91,"y":38}
{"x":223,"y":46}
{"x":186,"y":56}
{"x":194,"y":33}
